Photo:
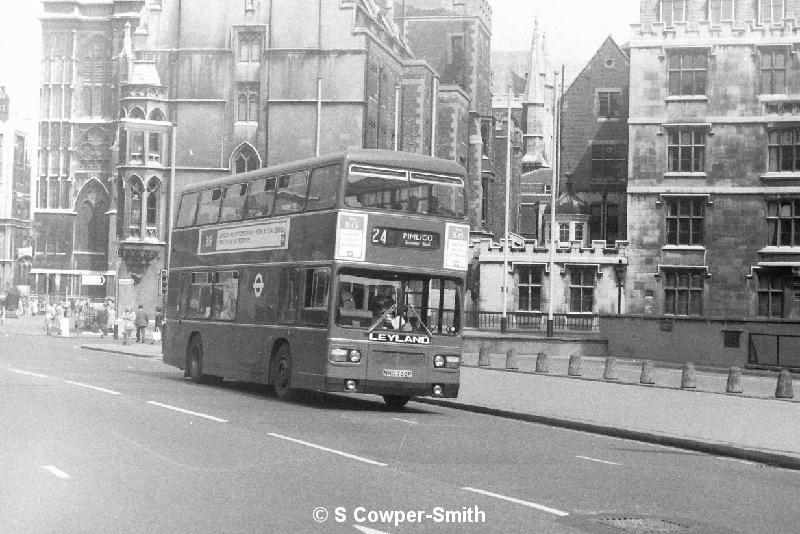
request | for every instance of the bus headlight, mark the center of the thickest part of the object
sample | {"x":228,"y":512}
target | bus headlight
{"x":344,"y":355}
{"x":438,"y":361}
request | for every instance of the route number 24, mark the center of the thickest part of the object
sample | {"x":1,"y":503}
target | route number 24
{"x":379,"y":235}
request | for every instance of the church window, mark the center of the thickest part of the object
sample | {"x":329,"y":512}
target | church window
{"x":95,"y":75}
{"x":248,"y":95}
{"x":135,"y":198}
{"x":244,"y":159}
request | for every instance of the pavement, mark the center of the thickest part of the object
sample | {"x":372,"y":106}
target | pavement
{"x":753,"y":425}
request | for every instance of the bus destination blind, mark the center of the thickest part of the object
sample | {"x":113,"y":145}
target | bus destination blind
{"x":399,"y":238}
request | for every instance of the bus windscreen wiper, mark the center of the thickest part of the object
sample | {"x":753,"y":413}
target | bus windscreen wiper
{"x":383,"y":316}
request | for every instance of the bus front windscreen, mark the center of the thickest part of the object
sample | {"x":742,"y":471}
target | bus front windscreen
{"x":407,"y":191}
{"x":370,"y":300}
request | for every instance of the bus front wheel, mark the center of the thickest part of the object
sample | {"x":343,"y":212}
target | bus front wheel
{"x":282,"y":374}
{"x":395,"y":402}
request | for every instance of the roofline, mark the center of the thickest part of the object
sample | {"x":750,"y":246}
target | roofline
{"x":586,"y":65}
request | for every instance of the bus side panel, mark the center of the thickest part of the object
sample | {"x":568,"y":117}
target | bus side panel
{"x":309,"y":357}
{"x":174,"y":352}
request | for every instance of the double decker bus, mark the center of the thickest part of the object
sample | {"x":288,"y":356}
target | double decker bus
{"x":341,"y":273}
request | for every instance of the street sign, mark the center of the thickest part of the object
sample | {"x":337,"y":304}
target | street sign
{"x":125,"y":281}
{"x":93,"y":280}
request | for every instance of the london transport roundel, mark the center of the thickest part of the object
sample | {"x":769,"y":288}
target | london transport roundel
{"x":258,"y":285}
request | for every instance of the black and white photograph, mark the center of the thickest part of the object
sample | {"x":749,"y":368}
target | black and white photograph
{"x":399,"y":266}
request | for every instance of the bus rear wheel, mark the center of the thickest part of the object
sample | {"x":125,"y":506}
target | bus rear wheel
{"x":194,"y":360}
{"x":282,"y":374}
{"x":194,"y":364}
{"x":395,"y":402}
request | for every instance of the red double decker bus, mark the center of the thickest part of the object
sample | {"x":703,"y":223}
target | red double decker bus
{"x":341,"y":273}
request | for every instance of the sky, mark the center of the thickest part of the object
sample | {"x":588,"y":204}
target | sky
{"x":574,"y":30}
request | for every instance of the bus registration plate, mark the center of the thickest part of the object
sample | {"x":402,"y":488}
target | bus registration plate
{"x":396,"y":373}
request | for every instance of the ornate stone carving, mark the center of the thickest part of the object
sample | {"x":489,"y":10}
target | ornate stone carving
{"x":137,"y":260}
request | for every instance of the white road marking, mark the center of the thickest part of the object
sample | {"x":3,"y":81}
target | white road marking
{"x":55,"y":471}
{"x":189,"y":412}
{"x":104,"y":390}
{"x":367,"y":530}
{"x":519,"y":501}
{"x":404,"y":421}
{"x":27,"y":373}
{"x":326,"y":449}
{"x":596,"y":460}
{"x":738,"y":460}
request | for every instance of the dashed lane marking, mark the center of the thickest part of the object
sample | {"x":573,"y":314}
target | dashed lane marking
{"x":27,"y":373}
{"x":326,"y":449}
{"x":188,"y":412}
{"x":404,"y":421}
{"x":519,"y":501}
{"x":596,"y":460}
{"x":55,"y":471}
{"x":96,"y":388}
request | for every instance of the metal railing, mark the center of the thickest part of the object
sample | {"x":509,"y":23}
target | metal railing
{"x":533,"y":321}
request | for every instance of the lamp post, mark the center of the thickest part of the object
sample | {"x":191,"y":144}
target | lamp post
{"x":553,"y":194}
{"x":504,"y":318}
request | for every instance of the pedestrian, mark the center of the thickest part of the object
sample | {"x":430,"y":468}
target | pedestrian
{"x":128,"y":324}
{"x":60,"y":311}
{"x":111,"y":318}
{"x":141,"y":323}
{"x":49,"y":318}
{"x":157,"y":332}
{"x":101,"y":320}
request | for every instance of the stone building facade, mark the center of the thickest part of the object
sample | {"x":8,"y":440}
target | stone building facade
{"x":141,"y":98}
{"x":714,"y":184}
{"x":594,"y":140}
{"x":454,"y":38}
{"x":532,"y":84}
{"x":15,"y":198}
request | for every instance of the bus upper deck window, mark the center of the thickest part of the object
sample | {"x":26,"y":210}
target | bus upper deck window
{"x":210,"y":200}
{"x":323,"y":186}
{"x":187,"y":210}
{"x":291,"y":195}
{"x":233,"y":203}
{"x":261,"y":198}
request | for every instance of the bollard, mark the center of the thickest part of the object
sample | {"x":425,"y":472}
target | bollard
{"x":511,"y":360}
{"x":784,"y":389}
{"x":734,"y":380}
{"x":574,"y":368}
{"x":542,"y":364}
{"x":484,"y":360}
{"x":688,"y":379}
{"x":647,"y":373}
{"x":610,"y":372}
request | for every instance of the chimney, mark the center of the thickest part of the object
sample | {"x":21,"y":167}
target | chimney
{"x":4,"y":102}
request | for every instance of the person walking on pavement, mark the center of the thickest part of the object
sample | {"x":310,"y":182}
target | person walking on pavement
{"x":157,"y":332}
{"x":60,"y":311}
{"x":111,"y":319}
{"x":49,"y":318}
{"x":101,"y":320}
{"x":141,"y":323}
{"x":128,"y":324}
